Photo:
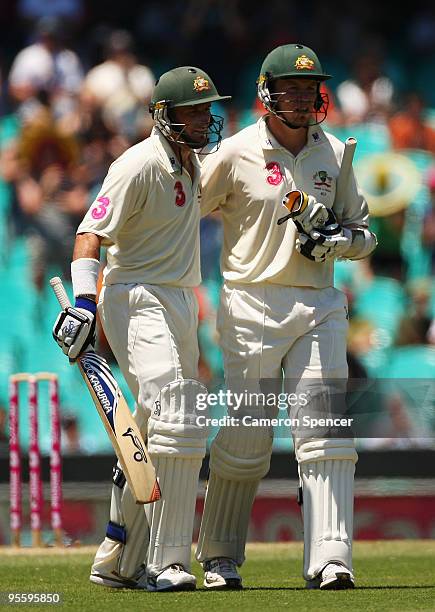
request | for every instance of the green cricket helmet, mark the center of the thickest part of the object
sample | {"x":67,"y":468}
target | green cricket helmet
{"x":286,"y":62}
{"x":185,"y":86}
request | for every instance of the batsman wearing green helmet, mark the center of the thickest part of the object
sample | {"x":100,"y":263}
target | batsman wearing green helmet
{"x":147,"y":215}
{"x":174,"y":90}
{"x":290,"y":207}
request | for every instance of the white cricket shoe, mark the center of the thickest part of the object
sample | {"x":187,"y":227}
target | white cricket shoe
{"x":333,"y":577}
{"x":221,"y":573}
{"x":173,"y":578}
{"x":114,"y":581}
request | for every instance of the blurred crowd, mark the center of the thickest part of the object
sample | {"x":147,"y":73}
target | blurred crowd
{"x":75,"y":83}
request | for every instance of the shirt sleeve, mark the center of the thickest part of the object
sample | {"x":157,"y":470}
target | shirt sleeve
{"x":356,"y":211}
{"x":216,"y":180}
{"x":119,"y":198}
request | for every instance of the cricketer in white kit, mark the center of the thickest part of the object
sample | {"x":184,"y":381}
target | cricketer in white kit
{"x":147,"y":214}
{"x":280,"y":317}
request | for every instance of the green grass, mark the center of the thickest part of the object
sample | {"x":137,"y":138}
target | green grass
{"x":390,"y":576}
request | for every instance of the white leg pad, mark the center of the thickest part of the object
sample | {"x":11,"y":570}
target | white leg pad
{"x":239,"y":458}
{"x":177,"y":447}
{"x":114,"y":557}
{"x":327,"y":469}
{"x":172,"y":517}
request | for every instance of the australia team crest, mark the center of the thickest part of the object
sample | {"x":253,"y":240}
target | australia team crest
{"x":201,"y":84}
{"x":322,"y":182}
{"x":303,"y":62}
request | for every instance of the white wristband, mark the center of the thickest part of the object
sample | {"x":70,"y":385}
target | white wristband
{"x":84,"y":276}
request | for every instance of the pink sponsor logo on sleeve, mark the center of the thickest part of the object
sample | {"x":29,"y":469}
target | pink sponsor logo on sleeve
{"x":100,"y":210}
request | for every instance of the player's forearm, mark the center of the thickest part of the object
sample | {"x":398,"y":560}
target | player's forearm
{"x":85,"y":265}
{"x":87,"y":245}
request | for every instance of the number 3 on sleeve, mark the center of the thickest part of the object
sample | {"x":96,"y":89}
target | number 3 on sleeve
{"x":99,"y":210}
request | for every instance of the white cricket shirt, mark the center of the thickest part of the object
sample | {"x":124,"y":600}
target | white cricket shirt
{"x":147,"y":212}
{"x":247,"y":178}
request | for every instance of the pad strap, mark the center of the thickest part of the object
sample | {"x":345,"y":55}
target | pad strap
{"x":118,"y":478}
{"x":116,"y":532}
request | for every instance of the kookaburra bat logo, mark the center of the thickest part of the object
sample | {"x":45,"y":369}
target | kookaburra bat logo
{"x":139,"y":455}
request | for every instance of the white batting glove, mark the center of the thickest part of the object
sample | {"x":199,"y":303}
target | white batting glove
{"x":305,"y":211}
{"x":74,"y":329}
{"x":321,"y":245}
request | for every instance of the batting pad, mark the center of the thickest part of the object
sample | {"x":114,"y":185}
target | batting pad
{"x":177,"y":447}
{"x":115,"y":557}
{"x":172,"y":426}
{"x":239,"y":458}
{"x":122,"y":559}
{"x":327,"y":508}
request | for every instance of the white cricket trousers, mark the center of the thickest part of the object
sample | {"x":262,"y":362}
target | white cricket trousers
{"x":152,"y":331}
{"x":267,"y":333}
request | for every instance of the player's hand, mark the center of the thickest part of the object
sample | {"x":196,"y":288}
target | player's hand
{"x":74,"y":329}
{"x":306,"y":212}
{"x":329,"y":242}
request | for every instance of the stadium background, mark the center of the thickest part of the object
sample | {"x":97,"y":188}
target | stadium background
{"x":58,"y":138}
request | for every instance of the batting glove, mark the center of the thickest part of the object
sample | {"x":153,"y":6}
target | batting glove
{"x":305,"y":211}
{"x":329,"y":242}
{"x":74,"y":329}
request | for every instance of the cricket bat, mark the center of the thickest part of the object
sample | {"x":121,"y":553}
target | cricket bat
{"x":117,"y":419}
{"x":343,"y":177}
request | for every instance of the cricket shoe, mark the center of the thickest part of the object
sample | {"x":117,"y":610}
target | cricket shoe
{"x":173,"y":578}
{"x":332,"y":577}
{"x":115,"y":581}
{"x":221,"y":574}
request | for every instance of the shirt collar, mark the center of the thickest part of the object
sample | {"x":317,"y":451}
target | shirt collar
{"x":167,"y":155}
{"x":315,"y":136}
{"x":268,"y":141}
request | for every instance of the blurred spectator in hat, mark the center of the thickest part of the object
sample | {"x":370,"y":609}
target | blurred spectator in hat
{"x":100,"y":146}
{"x":368,"y":95}
{"x":409,"y":128}
{"x":122,"y":87}
{"x":46,"y":67}
{"x":41,"y":168}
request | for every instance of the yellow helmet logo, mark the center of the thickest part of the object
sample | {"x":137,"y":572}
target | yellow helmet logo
{"x":304,"y":63}
{"x":201,"y":84}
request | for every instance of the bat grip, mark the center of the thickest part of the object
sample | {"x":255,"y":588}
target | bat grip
{"x":59,"y":290}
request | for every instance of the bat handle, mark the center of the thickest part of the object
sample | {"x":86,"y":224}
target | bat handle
{"x":63,"y":299}
{"x":59,"y":290}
